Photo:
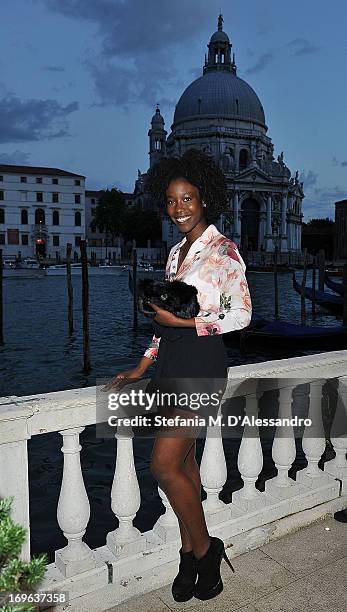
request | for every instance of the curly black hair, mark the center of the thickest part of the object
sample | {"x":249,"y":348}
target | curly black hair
{"x":198,"y":169}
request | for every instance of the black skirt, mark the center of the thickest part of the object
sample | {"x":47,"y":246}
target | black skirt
{"x":193,"y":368}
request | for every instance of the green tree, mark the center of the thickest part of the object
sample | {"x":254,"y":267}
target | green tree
{"x":16,"y":575}
{"x":110,"y":213}
{"x":142,"y":225}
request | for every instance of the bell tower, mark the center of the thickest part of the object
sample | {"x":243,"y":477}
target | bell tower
{"x":157,"y":138}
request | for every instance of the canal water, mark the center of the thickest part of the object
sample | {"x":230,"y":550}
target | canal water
{"x":39,"y":356}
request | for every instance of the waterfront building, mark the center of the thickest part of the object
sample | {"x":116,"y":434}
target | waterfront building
{"x":220,"y":114}
{"x":41,"y":210}
{"x":341,"y":230}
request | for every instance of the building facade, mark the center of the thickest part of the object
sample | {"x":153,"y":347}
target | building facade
{"x":341,"y":230}
{"x":220,"y":114}
{"x":41,"y":210}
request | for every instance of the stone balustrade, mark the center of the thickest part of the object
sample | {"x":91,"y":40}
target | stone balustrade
{"x":131,"y":562}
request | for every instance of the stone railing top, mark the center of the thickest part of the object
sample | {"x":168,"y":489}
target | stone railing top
{"x":24,"y":416}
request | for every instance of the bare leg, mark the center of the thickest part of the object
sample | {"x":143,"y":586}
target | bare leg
{"x":192,"y":470}
{"x":167,"y":466}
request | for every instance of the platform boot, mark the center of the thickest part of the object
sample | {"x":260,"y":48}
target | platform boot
{"x":209,"y":583}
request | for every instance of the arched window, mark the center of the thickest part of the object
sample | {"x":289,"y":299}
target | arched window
{"x":24,"y":217}
{"x":55,"y":217}
{"x":77,"y":218}
{"x":243,"y":159}
{"x":39,"y":216}
{"x":157,"y":144}
{"x":2,"y":215}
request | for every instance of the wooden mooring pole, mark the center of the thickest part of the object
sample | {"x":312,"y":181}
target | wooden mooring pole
{"x":134,"y":284}
{"x":321,"y":269}
{"x":302,"y":296}
{"x":314,"y":287}
{"x":85,"y":305}
{"x":69,"y":288}
{"x":276,"y":282}
{"x":1,"y":303}
{"x":344,"y":283}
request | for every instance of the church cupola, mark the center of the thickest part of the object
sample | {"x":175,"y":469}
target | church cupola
{"x":157,"y":138}
{"x":219,"y":51}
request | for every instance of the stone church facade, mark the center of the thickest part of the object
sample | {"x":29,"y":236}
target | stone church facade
{"x":220,"y":114}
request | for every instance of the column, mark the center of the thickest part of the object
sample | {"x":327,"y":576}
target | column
{"x":284,"y":244}
{"x":237,"y":225}
{"x":269,"y":243}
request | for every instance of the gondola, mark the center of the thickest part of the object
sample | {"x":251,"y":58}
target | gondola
{"x":332,"y":303}
{"x":333,"y":285}
{"x":290,"y":335}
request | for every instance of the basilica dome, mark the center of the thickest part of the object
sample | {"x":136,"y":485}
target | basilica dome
{"x":219,"y":93}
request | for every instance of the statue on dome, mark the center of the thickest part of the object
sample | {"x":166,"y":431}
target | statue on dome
{"x":280,"y":159}
{"x":220,"y":23}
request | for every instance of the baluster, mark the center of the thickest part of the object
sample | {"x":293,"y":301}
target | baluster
{"x":166,"y":527}
{"x":337,"y":467}
{"x":126,"y":499}
{"x":283,"y":451}
{"x":213,"y":473}
{"x":73,"y":510}
{"x":250,"y":461}
{"x":313,"y":440}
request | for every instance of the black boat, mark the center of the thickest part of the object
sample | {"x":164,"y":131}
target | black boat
{"x":334,"y":286}
{"x":290,"y":335}
{"x":332,"y":303}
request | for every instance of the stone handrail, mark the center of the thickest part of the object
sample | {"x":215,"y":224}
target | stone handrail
{"x":126,"y":564}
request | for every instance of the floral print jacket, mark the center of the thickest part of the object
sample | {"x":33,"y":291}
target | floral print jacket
{"x":215,"y":267}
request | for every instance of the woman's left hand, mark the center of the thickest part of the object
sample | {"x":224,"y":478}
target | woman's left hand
{"x":164,"y":317}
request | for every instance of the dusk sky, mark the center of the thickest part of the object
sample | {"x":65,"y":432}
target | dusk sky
{"x":80,"y":80}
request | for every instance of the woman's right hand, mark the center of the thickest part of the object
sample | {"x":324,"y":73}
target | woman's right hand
{"x":114,"y":382}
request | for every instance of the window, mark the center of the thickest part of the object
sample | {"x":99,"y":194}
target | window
{"x":39,"y":216}
{"x":92,"y":210}
{"x":23,"y":179}
{"x":77,"y":240}
{"x":77,"y":218}
{"x":1,"y":195}
{"x":92,"y":201}
{"x":39,"y":196}
{"x":23,"y":196}
{"x":55,"y":217}
{"x":24,"y":217}
{"x":77,"y":182}
{"x":25,"y":239}
{"x":101,"y":228}
{"x":243,"y":159}
{"x":2,"y":215}
{"x":55,"y":240}
{"x":54,"y":181}
{"x":93,"y":228}
{"x":1,"y":178}
{"x":77,"y":198}
{"x":2,"y":238}
{"x":38,"y":179}
{"x":55,"y":197}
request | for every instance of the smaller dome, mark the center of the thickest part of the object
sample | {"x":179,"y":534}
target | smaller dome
{"x":219,"y":36}
{"x":157,"y":118}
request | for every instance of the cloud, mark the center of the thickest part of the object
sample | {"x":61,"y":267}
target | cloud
{"x":17,"y":157}
{"x":138,"y":45}
{"x":32,"y":120}
{"x":301,"y":46}
{"x":309,"y":179}
{"x":321,"y":200}
{"x":53,"y":68}
{"x":336,"y":162}
{"x":262,"y":62}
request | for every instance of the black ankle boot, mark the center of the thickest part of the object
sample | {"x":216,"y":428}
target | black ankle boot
{"x":209,"y":583}
{"x":183,"y":585}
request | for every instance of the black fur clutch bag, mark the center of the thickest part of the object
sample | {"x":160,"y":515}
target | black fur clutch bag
{"x":175,"y":296}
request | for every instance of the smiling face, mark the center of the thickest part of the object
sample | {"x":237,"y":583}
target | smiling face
{"x":184,"y":206}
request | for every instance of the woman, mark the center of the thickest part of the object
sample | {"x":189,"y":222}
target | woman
{"x":193,"y":190}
